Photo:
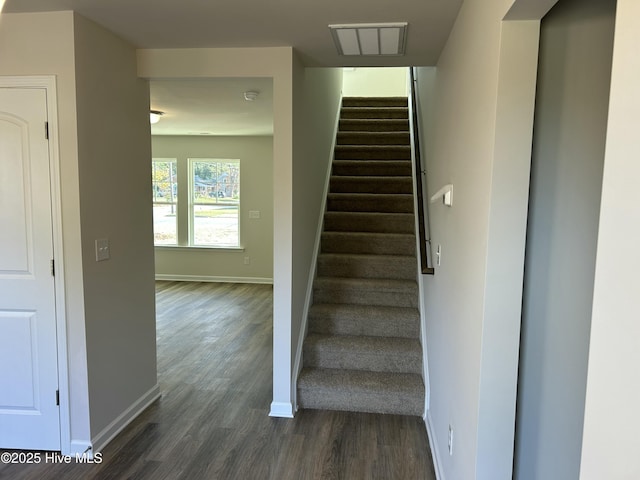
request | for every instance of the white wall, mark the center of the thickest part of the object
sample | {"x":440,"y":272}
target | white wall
{"x":37,"y":44}
{"x":375,"y":82}
{"x":612,"y":418}
{"x":276,"y":63}
{"x":317,"y":96}
{"x":568,"y":156}
{"x":114,"y":149}
{"x":483,"y":97}
{"x":256,"y":235}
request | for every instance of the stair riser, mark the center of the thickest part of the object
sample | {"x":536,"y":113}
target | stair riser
{"x":380,"y":185}
{"x":374,"y":125}
{"x":370,"y":138}
{"x":399,"y":269}
{"x":361,"y":203}
{"x":368,"y":222}
{"x":400,"y":362}
{"x":391,"y":152}
{"x":364,"y":297}
{"x":368,"y":112}
{"x":371,"y":403}
{"x":367,"y":244}
{"x":363,"y":167}
{"x":347,"y":325}
{"x":374,"y":102}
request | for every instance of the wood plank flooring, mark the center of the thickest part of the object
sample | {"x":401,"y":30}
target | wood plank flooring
{"x":215,"y":373}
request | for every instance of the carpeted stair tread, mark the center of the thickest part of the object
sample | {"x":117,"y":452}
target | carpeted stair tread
{"x":370,"y":184}
{"x":373,"y":138}
{"x":368,"y":243}
{"x":374,"y":125}
{"x":369,"y":222}
{"x":366,"y":202}
{"x":399,"y":267}
{"x":374,"y":101}
{"x":346,"y":319}
{"x":374,"y":392}
{"x":372,"y":152}
{"x":374,"y":112}
{"x":375,"y":354}
{"x":372,"y":167}
{"x":366,"y":291}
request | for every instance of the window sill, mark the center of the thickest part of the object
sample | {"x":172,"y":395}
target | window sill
{"x":198,"y":248}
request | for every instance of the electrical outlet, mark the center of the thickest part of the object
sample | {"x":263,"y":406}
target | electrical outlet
{"x":254,"y":213}
{"x":450,"y":441}
{"x":247,"y":260}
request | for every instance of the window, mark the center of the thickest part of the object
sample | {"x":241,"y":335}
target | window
{"x":202,"y":204}
{"x":165,"y":201}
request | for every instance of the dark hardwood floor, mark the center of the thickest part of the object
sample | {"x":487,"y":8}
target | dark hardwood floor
{"x":214,"y":369}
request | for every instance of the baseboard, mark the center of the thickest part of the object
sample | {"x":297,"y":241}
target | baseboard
{"x":435,"y":454}
{"x":213,"y":279}
{"x":110,"y":431}
{"x":79,"y":447}
{"x":281,"y":409}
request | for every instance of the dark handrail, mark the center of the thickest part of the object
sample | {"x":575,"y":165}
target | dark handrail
{"x":425,"y":242}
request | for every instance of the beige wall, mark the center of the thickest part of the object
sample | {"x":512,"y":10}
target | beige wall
{"x":482,"y":98}
{"x":375,"y":82}
{"x":256,"y":235}
{"x":37,"y":44}
{"x":119,"y":295}
{"x":612,"y":418}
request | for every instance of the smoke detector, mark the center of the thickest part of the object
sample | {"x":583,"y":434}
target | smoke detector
{"x":251,"y":95}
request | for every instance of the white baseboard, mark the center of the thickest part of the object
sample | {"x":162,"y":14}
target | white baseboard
{"x":435,"y":454}
{"x":79,"y":447}
{"x":281,"y":409}
{"x":125,"y":418}
{"x":208,"y":278}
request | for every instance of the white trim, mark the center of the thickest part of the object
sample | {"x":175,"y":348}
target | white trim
{"x":210,"y":278}
{"x":297,"y":364}
{"x":48,"y":83}
{"x":435,"y":454}
{"x":281,"y":409}
{"x":421,"y":291}
{"x":125,"y":418}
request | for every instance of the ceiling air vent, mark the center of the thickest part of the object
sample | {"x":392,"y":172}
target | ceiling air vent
{"x":370,"y":38}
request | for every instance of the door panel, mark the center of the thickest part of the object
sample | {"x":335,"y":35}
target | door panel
{"x":29,"y":414}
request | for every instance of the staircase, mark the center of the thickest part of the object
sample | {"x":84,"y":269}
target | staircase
{"x":362,"y":351}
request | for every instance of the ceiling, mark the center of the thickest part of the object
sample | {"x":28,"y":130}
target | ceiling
{"x":212,"y":106}
{"x":302,"y":24}
{"x":217,"y":106}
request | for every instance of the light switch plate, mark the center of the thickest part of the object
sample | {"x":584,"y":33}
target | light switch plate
{"x":254,"y":213}
{"x":102,"y":249}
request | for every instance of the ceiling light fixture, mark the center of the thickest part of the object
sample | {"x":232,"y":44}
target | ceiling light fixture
{"x":370,"y":38}
{"x":154,"y":116}
{"x":251,"y":95}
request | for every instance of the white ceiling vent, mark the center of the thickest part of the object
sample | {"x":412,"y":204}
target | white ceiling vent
{"x":370,"y":38}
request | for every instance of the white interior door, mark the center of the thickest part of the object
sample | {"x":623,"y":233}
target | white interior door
{"x":29,"y":411}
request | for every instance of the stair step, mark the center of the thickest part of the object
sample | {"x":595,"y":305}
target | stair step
{"x":369,"y":202}
{"x":367,"y":266}
{"x":366,"y":291}
{"x":369,"y":222}
{"x":368,"y":243}
{"x":374,"y":101}
{"x":356,"y":391}
{"x":373,"y":152}
{"x":375,"y":354}
{"x":340,"y":319}
{"x":374,"y":112}
{"x":373,"y":138}
{"x":372,"y":167}
{"x":370,"y":184}
{"x":374,"y":125}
